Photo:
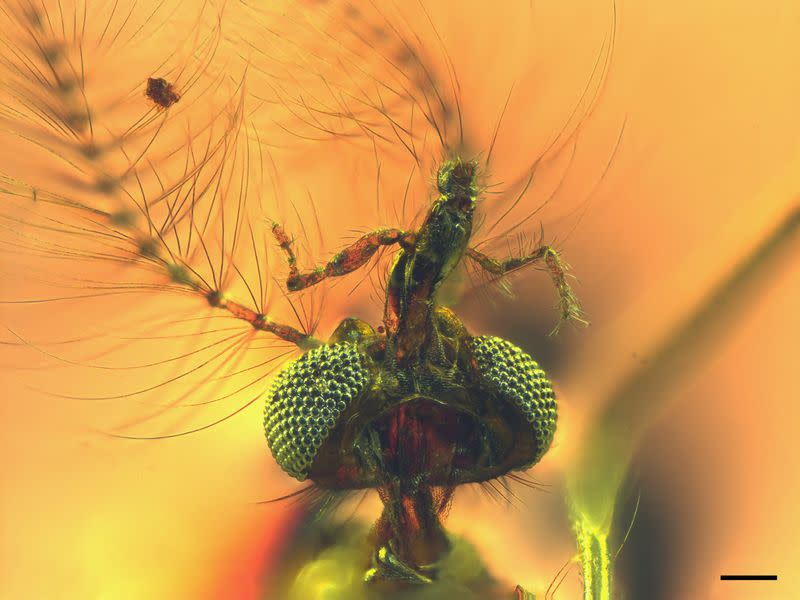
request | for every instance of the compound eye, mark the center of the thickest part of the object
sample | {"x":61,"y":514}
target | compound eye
{"x":306,"y":401}
{"x":513,"y":375}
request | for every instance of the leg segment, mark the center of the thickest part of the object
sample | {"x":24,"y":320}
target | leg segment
{"x":262,"y":322}
{"x":569,"y":308}
{"x":351,"y":258}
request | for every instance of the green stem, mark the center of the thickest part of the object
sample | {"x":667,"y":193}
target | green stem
{"x":633,"y":406}
{"x":595,"y":561}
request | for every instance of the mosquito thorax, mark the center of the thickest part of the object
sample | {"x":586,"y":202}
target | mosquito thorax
{"x":448,"y":226}
{"x":419,"y":268}
{"x":456,"y":183}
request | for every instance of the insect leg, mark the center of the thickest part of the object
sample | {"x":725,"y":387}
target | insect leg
{"x":263,"y":322}
{"x":569,"y":308}
{"x":349,"y":259}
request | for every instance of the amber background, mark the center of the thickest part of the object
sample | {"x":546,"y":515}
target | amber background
{"x":709,"y":163}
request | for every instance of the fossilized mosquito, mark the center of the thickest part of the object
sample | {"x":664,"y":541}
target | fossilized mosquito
{"x":420,"y":405}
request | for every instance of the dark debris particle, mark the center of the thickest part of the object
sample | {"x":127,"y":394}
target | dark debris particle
{"x":161,"y":92}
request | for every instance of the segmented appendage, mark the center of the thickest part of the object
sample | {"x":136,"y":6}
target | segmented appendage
{"x":306,"y":400}
{"x":518,"y":377}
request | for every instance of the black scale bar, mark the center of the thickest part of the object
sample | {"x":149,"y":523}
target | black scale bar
{"x":748,"y":577}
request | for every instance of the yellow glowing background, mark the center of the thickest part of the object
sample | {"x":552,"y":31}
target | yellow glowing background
{"x":708,"y":164}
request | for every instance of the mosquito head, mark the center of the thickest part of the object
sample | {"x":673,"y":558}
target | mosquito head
{"x":456,"y":183}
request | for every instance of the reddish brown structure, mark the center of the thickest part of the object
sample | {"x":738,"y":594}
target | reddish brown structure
{"x":161,"y":92}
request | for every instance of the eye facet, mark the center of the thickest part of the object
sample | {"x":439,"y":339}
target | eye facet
{"x":512,"y":372}
{"x":307,"y":399}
